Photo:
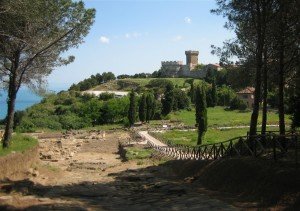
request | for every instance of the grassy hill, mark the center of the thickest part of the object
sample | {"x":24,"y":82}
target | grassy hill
{"x":133,"y":83}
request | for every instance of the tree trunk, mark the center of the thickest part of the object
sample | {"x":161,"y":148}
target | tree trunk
{"x":12,"y":94}
{"x":281,"y":74}
{"x":260,"y":30}
{"x":265,"y":94}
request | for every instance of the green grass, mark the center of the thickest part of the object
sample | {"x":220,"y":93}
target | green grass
{"x":134,"y":153}
{"x":219,"y":117}
{"x":189,"y":138}
{"x":19,"y":143}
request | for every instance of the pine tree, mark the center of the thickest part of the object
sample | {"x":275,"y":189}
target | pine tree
{"x":142,"y":108}
{"x":131,"y":111}
{"x":201,"y":113}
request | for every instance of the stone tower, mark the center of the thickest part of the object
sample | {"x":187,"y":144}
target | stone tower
{"x":191,"y":59}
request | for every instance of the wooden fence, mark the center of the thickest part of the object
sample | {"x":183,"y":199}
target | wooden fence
{"x":270,"y":146}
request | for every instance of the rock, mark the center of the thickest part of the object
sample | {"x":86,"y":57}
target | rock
{"x":59,"y":144}
{"x":72,"y":154}
{"x":35,"y":173}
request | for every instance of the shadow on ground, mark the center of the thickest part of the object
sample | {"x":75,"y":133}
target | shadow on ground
{"x":150,"y":188}
{"x":157,"y":188}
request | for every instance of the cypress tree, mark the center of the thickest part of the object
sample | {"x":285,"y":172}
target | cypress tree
{"x":167,"y":101}
{"x":131,"y":111}
{"x":201,"y":113}
{"x":192,"y":92}
{"x":214,"y":93}
{"x":149,"y":106}
{"x":142,"y":108}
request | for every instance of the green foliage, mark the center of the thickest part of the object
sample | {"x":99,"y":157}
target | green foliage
{"x":168,"y":98}
{"x":133,"y":153}
{"x":214,"y":93}
{"x":93,"y":81}
{"x":72,"y":121}
{"x":181,"y":100}
{"x":225,"y":95}
{"x":142,"y":108}
{"x":237,"y":103}
{"x":106,"y":96}
{"x":150,"y":106}
{"x":85,"y":111}
{"x":201,"y":112}
{"x":132,"y":109}
{"x":19,"y":143}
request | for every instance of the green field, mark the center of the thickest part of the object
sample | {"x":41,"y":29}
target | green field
{"x":142,"y":82}
{"x":219,"y":117}
{"x":19,"y":143}
{"x":189,"y":138}
{"x":134,"y":153}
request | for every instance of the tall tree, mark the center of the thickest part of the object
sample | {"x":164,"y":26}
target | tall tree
{"x":142,"y":108}
{"x":167,"y":101}
{"x":249,"y":20}
{"x":214,"y":97}
{"x":34,"y":33}
{"x":201,"y":113}
{"x":132,"y":109}
{"x":149,"y":106}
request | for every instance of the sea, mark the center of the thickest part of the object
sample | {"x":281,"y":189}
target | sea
{"x":25,"y":99}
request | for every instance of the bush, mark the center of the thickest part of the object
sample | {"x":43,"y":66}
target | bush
{"x":238,"y":104}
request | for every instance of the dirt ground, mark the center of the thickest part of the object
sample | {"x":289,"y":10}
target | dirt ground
{"x":83,"y":171}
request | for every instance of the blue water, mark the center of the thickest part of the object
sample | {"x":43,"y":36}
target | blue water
{"x":25,"y":99}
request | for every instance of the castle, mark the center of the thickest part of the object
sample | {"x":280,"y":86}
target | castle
{"x":178,"y":69}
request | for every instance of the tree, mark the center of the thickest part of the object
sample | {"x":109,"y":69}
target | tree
{"x":214,"y":97}
{"x":295,"y":101}
{"x":201,"y":113}
{"x":131,"y":110}
{"x":108,"y":76}
{"x":142,"y":108}
{"x":181,"y":99}
{"x":167,"y":101}
{"x":149,"y":106}
{"x":249,"y":20}
{"x":34,"y":33}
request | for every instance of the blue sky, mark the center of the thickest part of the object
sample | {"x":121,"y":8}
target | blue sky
{"x":133,"y":36}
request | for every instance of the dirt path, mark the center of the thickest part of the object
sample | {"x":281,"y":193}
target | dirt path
{"x":86,"y":173}
{"x":147,"y":137}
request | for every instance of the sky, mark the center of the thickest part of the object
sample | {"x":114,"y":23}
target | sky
{"x":134,"y":36}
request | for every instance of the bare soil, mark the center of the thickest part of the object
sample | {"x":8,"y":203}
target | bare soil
{"x":83,"y":171}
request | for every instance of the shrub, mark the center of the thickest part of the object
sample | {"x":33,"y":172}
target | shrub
{"x":238,"y":104}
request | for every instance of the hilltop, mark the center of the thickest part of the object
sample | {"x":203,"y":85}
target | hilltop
{"x":139,"y":83}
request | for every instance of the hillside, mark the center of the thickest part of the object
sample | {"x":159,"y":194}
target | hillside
{"x":134,"y":83}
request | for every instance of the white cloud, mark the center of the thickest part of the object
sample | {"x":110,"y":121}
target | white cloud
{"x":187,"y":20}
{"x":177,"y":38}
{"x":104,"y":39}
{"x":133,"y":35}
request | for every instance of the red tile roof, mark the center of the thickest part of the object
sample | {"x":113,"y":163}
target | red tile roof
{"x":247,"y":90}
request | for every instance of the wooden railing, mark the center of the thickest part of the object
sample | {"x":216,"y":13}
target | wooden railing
{"x":271,"y":146}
